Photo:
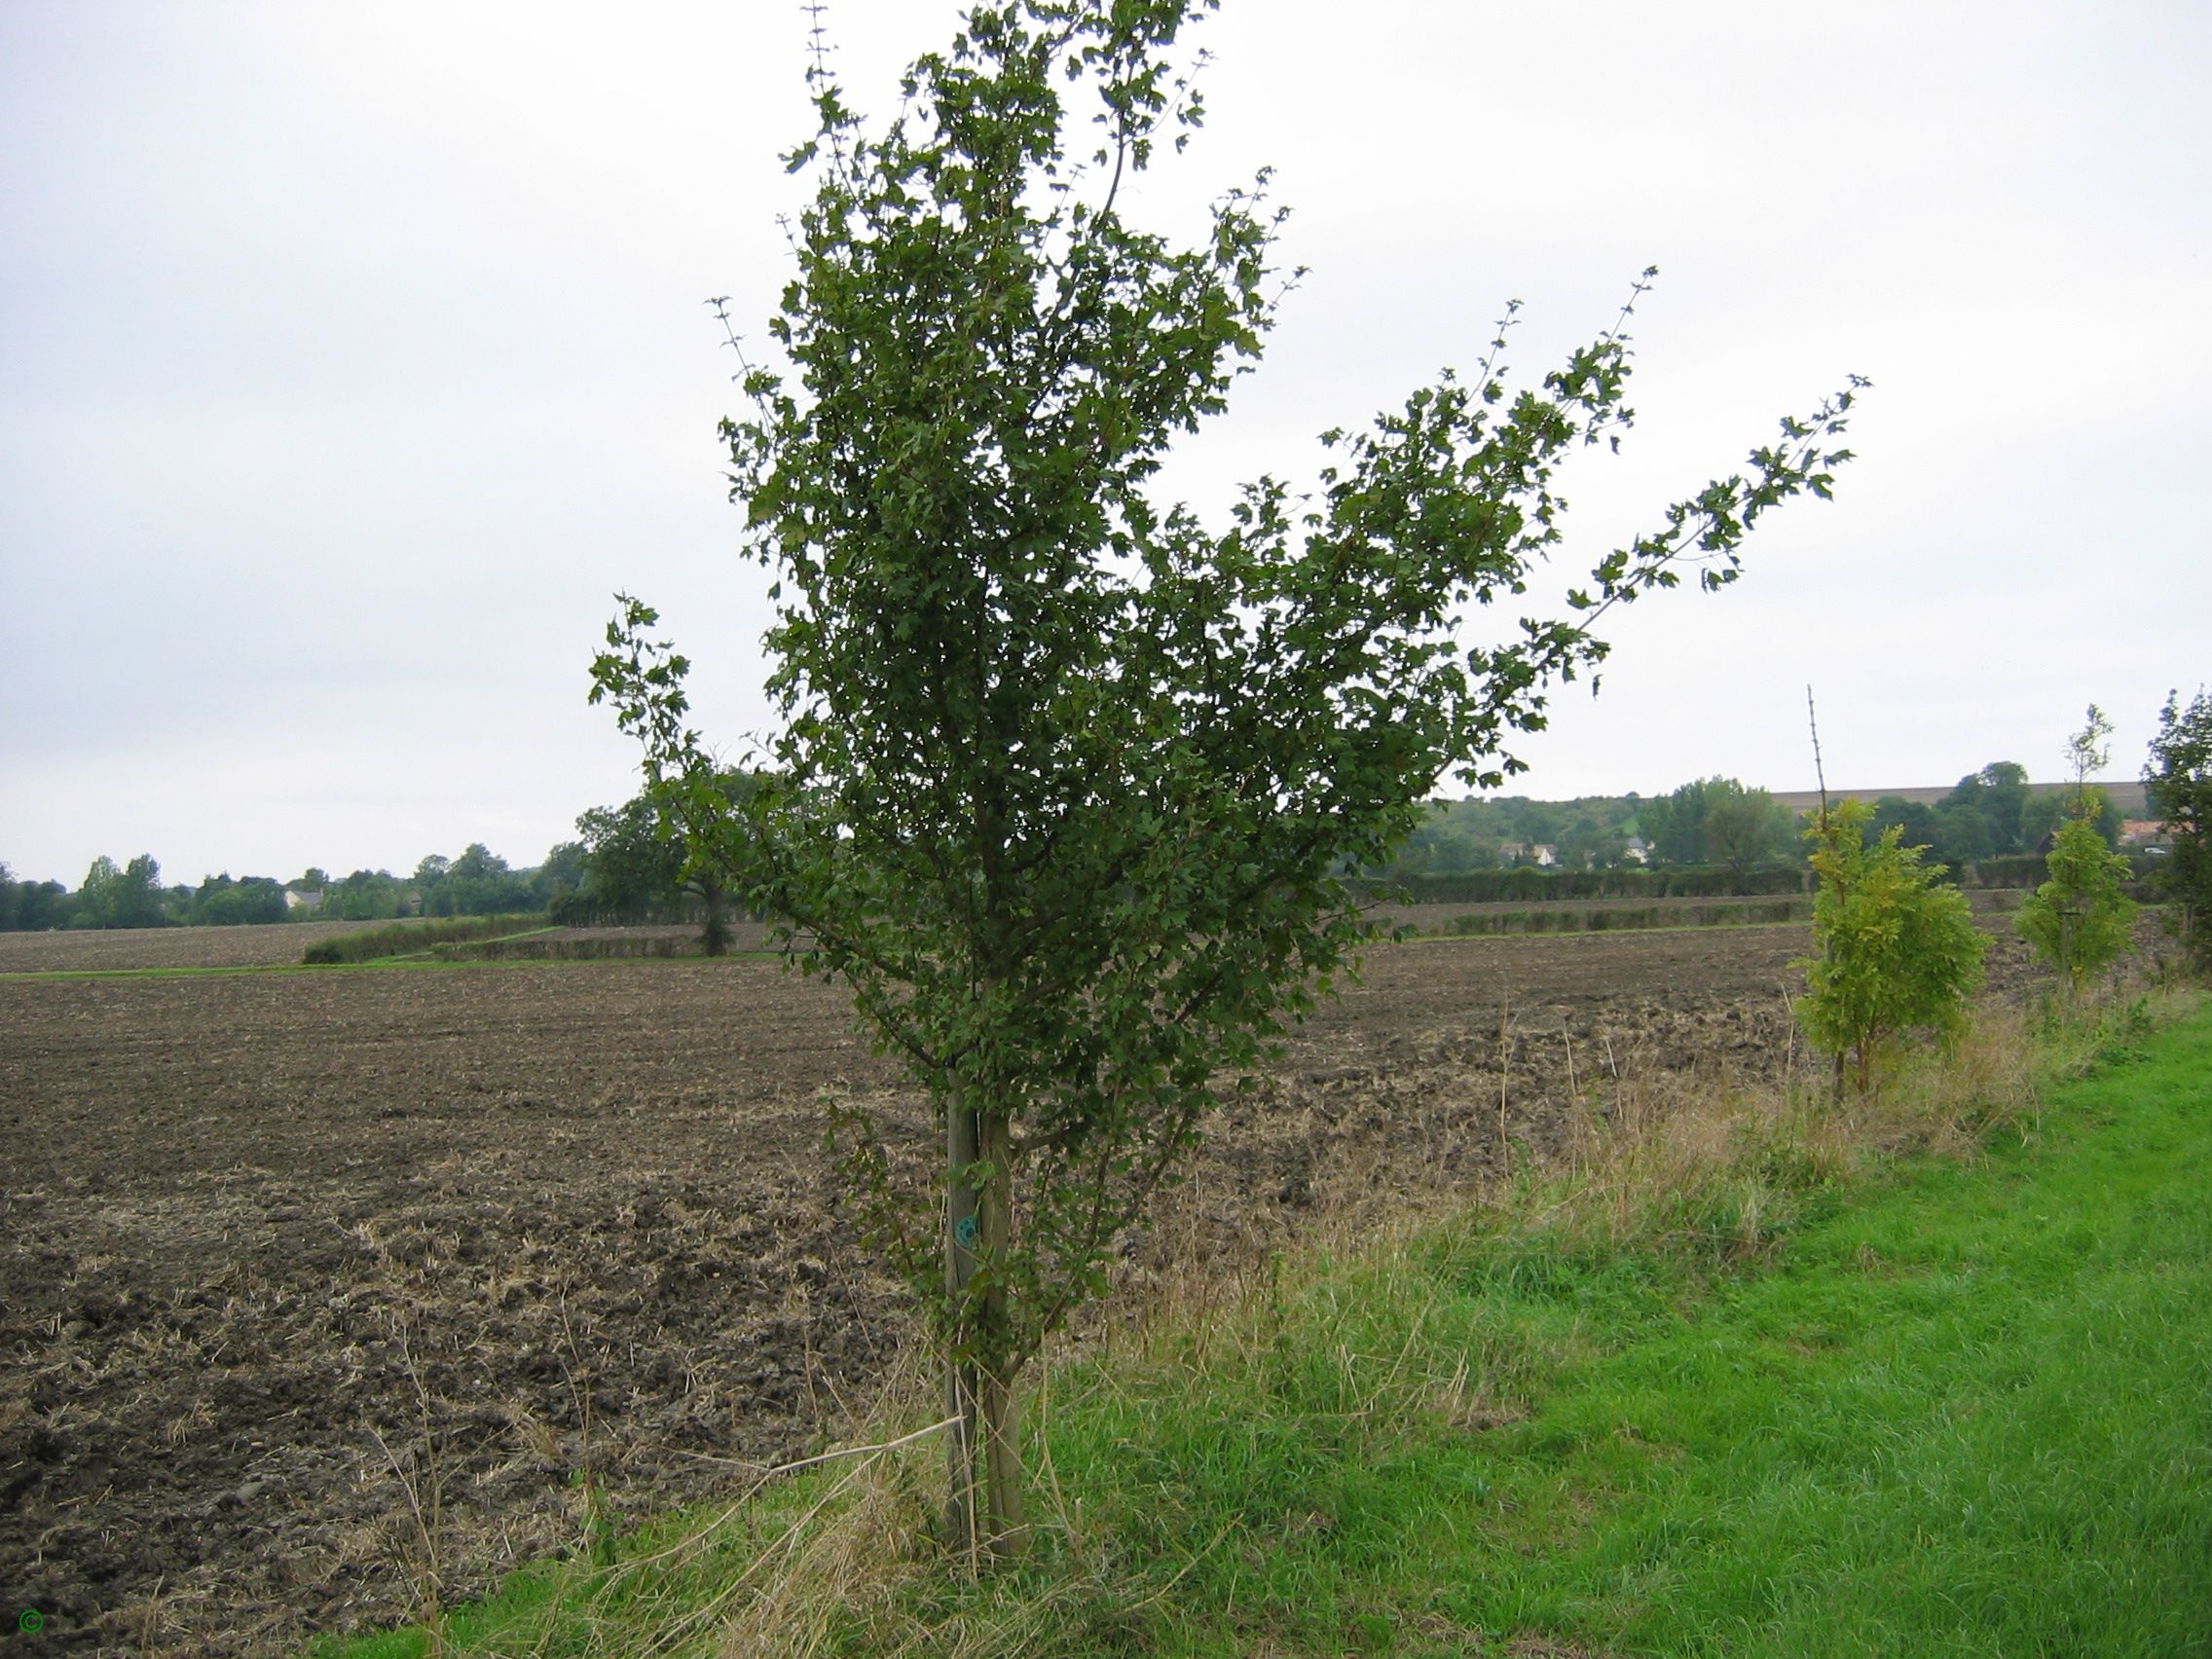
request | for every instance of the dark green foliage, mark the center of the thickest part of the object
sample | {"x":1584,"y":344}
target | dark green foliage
{"x":1988,"y":817}
{"x":126,"y":897}
{"x":221,"y":902}
{"x":2046,"y":809}
{"x":1717,"y":820}
{"x":28,"y":907}
{"x":1916,"y":822}
{"x":632,"y":872}
{"x":1745,"y":827}
{"x":566,"y":869}
{"x":479,"y":883}
{"x":365,"y":895}
{"x":666,"y":853}
{"x":1981,"y":816}
{"x":2178,"y":780}
{"x":1067,"y":780}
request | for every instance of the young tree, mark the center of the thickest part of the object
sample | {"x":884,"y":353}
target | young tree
{"x":2177,"y":782}
{"x":1894,"y":951}
{"x":2087,"y":751}
{"x":2080,"y":920}
{"x":1066,"y":782}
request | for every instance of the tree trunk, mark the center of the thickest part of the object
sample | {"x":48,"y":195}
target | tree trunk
{"x":984,"y":1511}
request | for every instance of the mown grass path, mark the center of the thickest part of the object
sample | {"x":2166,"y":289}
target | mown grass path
{"x":1971,"y":1415}
{"x":1969,"y":1412}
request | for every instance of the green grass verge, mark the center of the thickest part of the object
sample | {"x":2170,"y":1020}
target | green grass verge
{"x":1801,"y":1404}
{"x":414,"y":937}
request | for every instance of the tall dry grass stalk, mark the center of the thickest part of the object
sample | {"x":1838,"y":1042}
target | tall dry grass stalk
{"x":423,"y":1483}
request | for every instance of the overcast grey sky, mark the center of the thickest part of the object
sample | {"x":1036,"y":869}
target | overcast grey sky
{"x":352,"y":356}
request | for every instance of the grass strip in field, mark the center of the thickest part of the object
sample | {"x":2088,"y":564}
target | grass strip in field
{"x":1614,"y":918}
{"x":1953,"y":1406}
{"x":415,"y":938}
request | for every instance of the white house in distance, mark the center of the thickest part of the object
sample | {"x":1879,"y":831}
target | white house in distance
{"x":302,"y":901}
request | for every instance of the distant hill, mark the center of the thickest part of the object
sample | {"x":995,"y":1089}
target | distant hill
{"x":2126,"y":796}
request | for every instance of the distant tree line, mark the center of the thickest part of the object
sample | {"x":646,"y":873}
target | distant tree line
{"x":1725,"y":828}
{"x":1713,"y":822}
{"x":479,"y":882}
{"x":631,"y":864}
{"x":1993,"y":813}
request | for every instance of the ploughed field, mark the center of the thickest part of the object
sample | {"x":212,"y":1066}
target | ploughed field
{"x":278,"y":1249}
{"x":97,"y":950}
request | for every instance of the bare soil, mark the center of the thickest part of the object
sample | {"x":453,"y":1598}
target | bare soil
{"x":94,"y":950}
{"x":282,"y":1255}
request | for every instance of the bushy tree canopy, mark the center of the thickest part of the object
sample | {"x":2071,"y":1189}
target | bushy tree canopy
{"x":129,"y":897}
{"x":1893,"y":951}
{"x":2177,"y":778}
{"x":1066,"y":778}
{"x":2079,"y":919}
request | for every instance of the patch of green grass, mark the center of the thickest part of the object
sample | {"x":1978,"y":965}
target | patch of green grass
{"x":414,"y":937}
{"x":1934,"y":1406}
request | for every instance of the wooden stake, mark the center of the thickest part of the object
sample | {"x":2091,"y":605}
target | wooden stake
{"x":963,"y":1391}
